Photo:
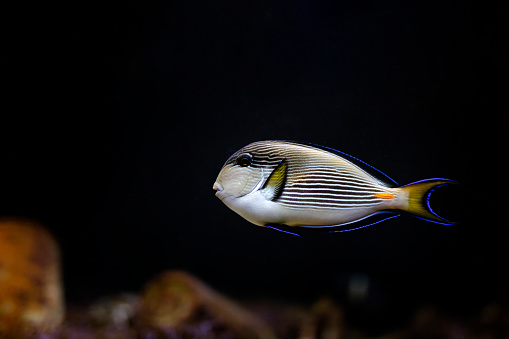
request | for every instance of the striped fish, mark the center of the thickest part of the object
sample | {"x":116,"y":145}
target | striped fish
{"x":287,"y":183}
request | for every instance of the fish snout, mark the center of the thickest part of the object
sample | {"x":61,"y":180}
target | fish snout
{"x":217,"y":187}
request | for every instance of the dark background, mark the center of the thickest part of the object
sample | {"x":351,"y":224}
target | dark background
{"x":118,"y":115}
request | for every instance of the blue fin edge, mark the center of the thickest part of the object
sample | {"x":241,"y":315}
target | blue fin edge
{"x":364,"y":226}
{"x":319,"y":229}
{"x":428,"y":205}
{"x":280,"y":230}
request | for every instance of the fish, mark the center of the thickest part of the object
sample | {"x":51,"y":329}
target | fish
{"x":287,"y":183}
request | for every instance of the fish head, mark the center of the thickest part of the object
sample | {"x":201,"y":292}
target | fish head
{"x":238,"y":177}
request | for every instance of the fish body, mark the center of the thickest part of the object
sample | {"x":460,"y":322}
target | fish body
{"x":288,"y":183}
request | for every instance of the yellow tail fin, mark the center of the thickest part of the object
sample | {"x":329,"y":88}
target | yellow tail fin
{"x":418,"y":199}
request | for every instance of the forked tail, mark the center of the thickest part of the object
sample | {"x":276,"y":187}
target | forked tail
{"x":418,"y":199}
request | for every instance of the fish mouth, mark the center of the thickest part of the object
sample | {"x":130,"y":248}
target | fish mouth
{"x":218,"y":188}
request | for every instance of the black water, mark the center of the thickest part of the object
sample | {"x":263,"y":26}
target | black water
{"x":118,"y":117}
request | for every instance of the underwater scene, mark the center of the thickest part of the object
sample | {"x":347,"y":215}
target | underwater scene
{"x":254,"y":170}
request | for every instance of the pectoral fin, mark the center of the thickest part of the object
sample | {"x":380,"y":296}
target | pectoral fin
{"x":274,"y":185}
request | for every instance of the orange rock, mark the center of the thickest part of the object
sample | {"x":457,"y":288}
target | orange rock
{"x":170,"y":299}
{"x":31,"y":298}
{"x":176,"y":298}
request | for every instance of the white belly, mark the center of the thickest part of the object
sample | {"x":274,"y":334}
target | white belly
{"x":256,"y":209}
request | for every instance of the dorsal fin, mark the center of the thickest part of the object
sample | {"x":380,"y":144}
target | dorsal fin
{"x":273,"y":187}
{"x":356,"y":161}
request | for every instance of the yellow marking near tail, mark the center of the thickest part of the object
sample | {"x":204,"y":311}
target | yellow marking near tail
{"x":384,"y":196}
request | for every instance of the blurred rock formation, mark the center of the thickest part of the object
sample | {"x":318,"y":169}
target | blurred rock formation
{"x":31,"y":294}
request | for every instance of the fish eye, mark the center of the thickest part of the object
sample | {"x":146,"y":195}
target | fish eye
{"x":244,"y":160}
